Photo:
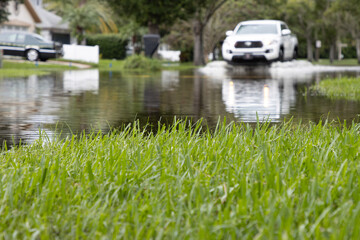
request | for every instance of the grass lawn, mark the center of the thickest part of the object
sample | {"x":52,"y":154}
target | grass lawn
{"x":118,"y":65}
{"x":24,"y":69}
{"x":20,"y":72}
{"x":344,"y":88}
{"x":344,"y":62}
{"x":239,"y":182}
{"x":33,"y":66}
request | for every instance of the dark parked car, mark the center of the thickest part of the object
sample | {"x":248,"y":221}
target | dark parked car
{"x":32,"y":46}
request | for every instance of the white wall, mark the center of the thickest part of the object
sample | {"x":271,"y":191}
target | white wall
{"x":22,"y":15}
{"x":81,"y":53}
{"x":46,"y":34}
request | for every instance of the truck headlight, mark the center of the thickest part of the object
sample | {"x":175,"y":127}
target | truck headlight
{"x":270,"y":42}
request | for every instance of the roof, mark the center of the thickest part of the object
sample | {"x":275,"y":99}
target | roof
{"x":16,"y":22}
{"x":262,"y":22}
{"x":48,"y":19}
{"x":32,"y":11}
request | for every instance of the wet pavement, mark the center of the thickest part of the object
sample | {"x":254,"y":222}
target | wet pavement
{"x":80,"y":100}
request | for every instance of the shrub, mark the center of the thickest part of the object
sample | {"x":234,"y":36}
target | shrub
{"x":112,"y":46}
{"x":141,"y":62}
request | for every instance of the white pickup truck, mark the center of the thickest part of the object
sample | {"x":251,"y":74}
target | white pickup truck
{"x":260,"y":41}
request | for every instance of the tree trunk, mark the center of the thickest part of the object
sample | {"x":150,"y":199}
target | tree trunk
{"x":309,"y":44}
{"x":153,"y":28}
{"x":214,"y":53}
{"x":332,"y":53}
{"x":198,"y":43}
{"x":358,"y":49}
{"x":80,"y":35}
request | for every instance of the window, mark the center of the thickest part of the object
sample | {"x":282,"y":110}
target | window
{"x":3,"y":38}
{"x":31,"y":40}
{"x":20,"y":38}
{"x":258,"y":29}
{"x":283,"y":26}
{"x":8,"y":37}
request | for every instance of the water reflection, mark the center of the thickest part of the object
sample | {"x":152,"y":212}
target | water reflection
{"x":81,"y":81}
{"x":80,"y":100}
{"x":249,"y":99}
{"x":273,"y":92}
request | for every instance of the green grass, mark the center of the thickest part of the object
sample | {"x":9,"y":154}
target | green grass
{"x":119,"y":65}
{"x":343,"y":88}
{"x":344,"y":62}
{"x":25,"y":69}
{"x":33,"y":66}
{"x":238,"y":182}
{"x":20,"y":72}
{"x":104,"y":65}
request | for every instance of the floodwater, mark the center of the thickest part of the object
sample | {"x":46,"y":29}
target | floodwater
{"x":78,"y":100}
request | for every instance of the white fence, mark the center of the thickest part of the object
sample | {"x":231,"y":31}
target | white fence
{"x":173,"y":56}
{"x":81,"y":53}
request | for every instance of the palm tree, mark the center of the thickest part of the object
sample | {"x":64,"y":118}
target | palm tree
{"x":84,"y":16}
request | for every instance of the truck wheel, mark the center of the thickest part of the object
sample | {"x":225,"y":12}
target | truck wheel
{"x":295,"y":54}
{"x":32,"y":55}
{"x":281,"y":55}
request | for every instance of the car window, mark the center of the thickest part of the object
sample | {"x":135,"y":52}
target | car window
{"x":31,"y":40}
{"x":20,"y":38}
{"x":8,"y":37}
{"x":2,"y":38}
{"x":283,"y":26}
{"x":12,"y":37}
{"x":40,"y":40}
{"x":257,"y":29}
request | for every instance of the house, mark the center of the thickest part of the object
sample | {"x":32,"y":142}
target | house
{"x":30,"y":16}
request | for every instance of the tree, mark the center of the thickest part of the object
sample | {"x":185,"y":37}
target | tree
{"x":204,"y":10}
{"x":152,"y":14}
{"x":3,"y":10}
{"x":350,"y":20}
{"x":303,"y":15}
{"x":84,"y":15}
{"x":331,"y":28}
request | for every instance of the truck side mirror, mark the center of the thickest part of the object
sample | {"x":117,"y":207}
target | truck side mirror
{"x":229,"y":33}
{"x":285,"y":32}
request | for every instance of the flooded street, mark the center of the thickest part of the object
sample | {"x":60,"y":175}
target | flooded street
{"x":73,"y":101}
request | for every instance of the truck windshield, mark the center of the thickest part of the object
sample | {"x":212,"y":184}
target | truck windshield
{"x":257,"y":29}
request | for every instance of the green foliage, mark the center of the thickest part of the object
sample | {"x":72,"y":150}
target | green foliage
{"x":84,"y":16}
{"x":112,"y":46}
{"x":9,"y":73}
{"x":145,"y":13}
{"x":20,"y":66}
{"x":349,"y":52}
{"x":3,"y":10}
{"x":184,"y":182}
{"x":141,"y":63}
{"x":344,"y":88}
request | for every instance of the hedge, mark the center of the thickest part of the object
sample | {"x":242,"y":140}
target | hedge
{"x":112,"y":46}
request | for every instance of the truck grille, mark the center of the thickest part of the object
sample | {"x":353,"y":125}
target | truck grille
{"x":248,"y":44}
